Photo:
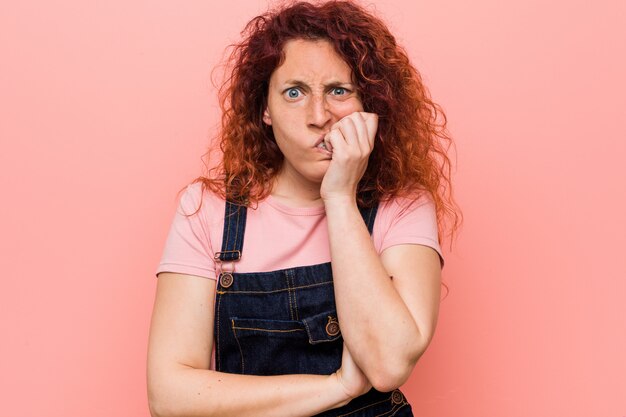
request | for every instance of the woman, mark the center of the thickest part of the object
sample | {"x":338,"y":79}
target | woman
{"x":331,"y":150}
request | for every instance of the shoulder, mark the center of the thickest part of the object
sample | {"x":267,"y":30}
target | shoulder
{"x":407,"y":220}
{"x":417,"y":203}
{"x":196,"y":198}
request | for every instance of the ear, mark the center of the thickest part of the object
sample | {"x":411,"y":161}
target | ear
{"x":266,"y":117}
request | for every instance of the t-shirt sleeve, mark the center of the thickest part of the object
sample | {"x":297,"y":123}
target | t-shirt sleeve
{"x":187,"y":247}
{"x":410,"y":222}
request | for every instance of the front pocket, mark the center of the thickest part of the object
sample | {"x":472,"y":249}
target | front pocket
{"x":286,"y":328}
{"x":280,"y":347}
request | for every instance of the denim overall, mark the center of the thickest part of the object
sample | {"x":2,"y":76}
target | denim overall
{"x":285,"y":322}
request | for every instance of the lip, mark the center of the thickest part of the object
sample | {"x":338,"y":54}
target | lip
{"x":320,"y":140}
{"x":324,"y":151}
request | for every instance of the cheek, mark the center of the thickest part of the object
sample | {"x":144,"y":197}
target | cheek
{"x":286,"y":140}
{"x":344,"y":108}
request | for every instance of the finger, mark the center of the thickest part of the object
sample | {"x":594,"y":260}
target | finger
{"x":334,"y":141}
{"x":348,"y":129}
{"x":363,"y":134}
{"x":371,"y":122}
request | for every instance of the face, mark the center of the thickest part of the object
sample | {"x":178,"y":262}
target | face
{"x":308,"y":93}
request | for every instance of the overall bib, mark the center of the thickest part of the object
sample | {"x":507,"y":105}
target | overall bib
{"x":285,"y":322}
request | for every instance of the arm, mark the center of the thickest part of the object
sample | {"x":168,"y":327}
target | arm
{"x":179,"y":352}
{"x":386,"y":323}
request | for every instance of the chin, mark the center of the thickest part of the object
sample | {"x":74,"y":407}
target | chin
{"x":318,"y":175}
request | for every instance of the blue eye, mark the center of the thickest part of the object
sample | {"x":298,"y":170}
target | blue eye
{"x":339,"y":91}
{"x":293,"y":93}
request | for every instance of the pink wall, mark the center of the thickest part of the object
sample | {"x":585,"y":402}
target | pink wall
{"x":106,"y":107}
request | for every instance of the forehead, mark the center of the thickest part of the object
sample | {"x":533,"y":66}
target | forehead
{"x":311,"y":60}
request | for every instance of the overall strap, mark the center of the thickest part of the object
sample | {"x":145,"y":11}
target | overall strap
{"x":234,"y":228}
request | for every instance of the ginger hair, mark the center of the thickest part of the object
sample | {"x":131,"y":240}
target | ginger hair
{"x":410,"y":151}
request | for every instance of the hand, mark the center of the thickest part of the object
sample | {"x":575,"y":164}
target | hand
{"x":351,"y":141}
{"x":350,"y":377}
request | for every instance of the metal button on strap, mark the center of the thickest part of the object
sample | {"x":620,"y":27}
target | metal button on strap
{"x":226,"y":279}
{"x":397,"y":397}
{"x":332,"y":327}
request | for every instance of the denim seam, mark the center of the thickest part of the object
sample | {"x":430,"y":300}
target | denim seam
{"x":236,"y":246}
{"x":294,"y":295}
{"x":363,"y":408}
{"x":289,"y":295}
{"x":267,"y":330}
{"x":274,"y":291}
{"x":394,"y":410}
{"x":238,"y":344}
{"x":217,"y":347}
{"x":308,"y":330}
{"x":295,"y":298}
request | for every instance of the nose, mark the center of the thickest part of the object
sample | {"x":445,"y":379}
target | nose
{"x":318,"y":111}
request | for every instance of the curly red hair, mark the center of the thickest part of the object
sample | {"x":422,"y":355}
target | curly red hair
{"x":410,"y":152}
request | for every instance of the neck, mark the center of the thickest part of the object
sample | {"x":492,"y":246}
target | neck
{"x":296,"y":191}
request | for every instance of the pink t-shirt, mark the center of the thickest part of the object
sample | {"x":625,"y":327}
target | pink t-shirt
{"x":278,"y":237}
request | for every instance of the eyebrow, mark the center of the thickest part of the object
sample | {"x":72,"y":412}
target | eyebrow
{"x":299,"y":83}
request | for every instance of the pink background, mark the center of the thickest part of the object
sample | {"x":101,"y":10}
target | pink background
{"x":106,"y":108}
